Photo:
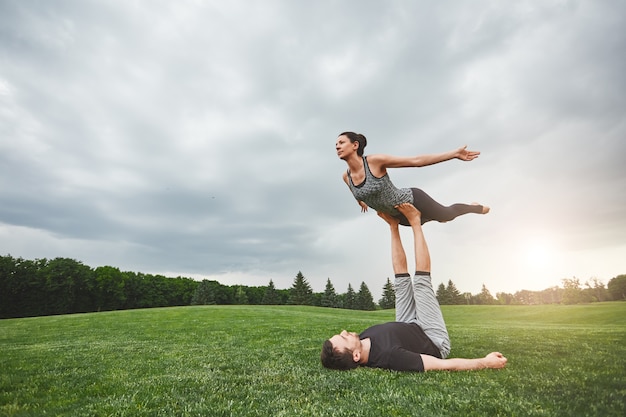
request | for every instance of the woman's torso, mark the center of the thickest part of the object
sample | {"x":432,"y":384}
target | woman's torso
{"x":379,"y":193}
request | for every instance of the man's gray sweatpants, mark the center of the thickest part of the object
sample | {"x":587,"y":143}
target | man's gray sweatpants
{"x":416,"y":303}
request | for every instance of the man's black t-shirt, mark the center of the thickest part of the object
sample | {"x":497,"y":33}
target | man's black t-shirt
{"x":397,"y":346}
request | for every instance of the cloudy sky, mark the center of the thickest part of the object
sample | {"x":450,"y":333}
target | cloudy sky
{"x":196,"y":138}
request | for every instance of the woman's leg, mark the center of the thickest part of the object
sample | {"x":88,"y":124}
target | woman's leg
{"x":432,"y":210}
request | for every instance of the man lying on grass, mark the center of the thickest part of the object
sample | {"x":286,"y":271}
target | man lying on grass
{"x":418,"y":339}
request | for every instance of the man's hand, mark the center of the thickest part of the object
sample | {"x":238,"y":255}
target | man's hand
{"x":494,"y":360}
{"x":464,"y":155}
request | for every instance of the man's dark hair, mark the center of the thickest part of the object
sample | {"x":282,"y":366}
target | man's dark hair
{"x":334,"y":359}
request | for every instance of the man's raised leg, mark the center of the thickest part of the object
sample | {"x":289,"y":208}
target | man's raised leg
{"x":405,"y":302}
{"x":427,"y":308}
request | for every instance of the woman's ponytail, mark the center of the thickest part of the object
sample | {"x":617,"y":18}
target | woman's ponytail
{"x":356,"y":137}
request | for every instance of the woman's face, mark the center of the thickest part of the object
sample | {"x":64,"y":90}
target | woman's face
{"x":344,"y":147}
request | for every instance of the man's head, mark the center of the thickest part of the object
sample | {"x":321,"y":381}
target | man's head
{"x":342,"y":351}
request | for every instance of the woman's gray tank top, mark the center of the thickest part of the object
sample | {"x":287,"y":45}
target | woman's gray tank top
{"x":379,"y":193}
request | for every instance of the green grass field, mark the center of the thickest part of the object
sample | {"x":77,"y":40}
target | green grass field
{"x":264,"y":361}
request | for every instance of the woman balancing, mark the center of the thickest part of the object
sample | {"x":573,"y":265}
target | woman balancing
{"x":369,"y":181}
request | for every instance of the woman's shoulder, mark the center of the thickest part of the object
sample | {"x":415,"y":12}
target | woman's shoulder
{"x":378,"y":162}
{"x":378,"y":156}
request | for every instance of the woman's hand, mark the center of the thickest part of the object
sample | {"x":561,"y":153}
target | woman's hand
{"x":464,"y":155}
{"x":363,"y":206}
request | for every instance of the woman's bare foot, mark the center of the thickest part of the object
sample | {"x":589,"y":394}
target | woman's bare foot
{"x":412,"y":214}
{"x":485,"y":208}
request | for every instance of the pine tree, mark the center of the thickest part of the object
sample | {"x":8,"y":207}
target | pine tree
{"x":389,"y":296}
{"x":364,"y":299}
{"x":329,"y":298}
{"x":454,"y":295}
{"x":485,"y":296}
{"x":349,"y":298}
{"x":468,"y":298}
{"x":442,"y":295}
{"x":301,"y":292}
{"x":271,"y":296}
{"x":203,"y":294}
{"x":241,"y":298}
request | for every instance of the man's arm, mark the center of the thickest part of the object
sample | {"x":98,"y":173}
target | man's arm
{"x":495,"y":360}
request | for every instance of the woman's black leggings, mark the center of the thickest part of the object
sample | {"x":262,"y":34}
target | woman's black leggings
{"x":432,"y":210}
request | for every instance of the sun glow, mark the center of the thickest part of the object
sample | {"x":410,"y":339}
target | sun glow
{"x":539,"y":252}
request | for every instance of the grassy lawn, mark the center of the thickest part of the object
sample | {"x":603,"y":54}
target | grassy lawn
{"x":264,"y":361}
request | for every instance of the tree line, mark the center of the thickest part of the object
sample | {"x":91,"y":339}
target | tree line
{"x":573,"y":292}
{"x":44,"y":287}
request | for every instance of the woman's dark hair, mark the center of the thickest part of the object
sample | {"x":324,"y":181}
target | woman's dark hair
{"x":356,"y":137}
{"x":333,"y":359}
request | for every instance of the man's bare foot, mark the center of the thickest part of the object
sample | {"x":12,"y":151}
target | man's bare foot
{"x":485,"y":208}
{"x":412,"y":214}
{"x":393,"y":221}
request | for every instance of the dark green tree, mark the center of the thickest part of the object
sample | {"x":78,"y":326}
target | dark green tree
{"x":442,"y":295}
{"x":485,"y":297}
{"x":65,"y":285}
{"x":271,"y":296}
{"x":388,"y":299}
{"x":180,"y":291}
{"x":364,"y":299}
{"x":617,"y":288}
{"x":316,"y":299}
{"x":329,"y":297}
{"x":223,"y":293}
{"x":134,"y":287}
{"x":110,"y":288}
{"x":255,"y":294}
{"x":454,"y":295}
{"x":468,"y":298}
{"x":204,"y":294}
{"x":349,"y":298}
{"x":22,"y":288}
{"x":8,"y":286}
{"x":301,"y":292}
{"x":155,"y":291}
{"x":241,"y":297}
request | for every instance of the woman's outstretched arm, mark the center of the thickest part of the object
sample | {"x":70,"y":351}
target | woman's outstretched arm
{"x":382,"y":161}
